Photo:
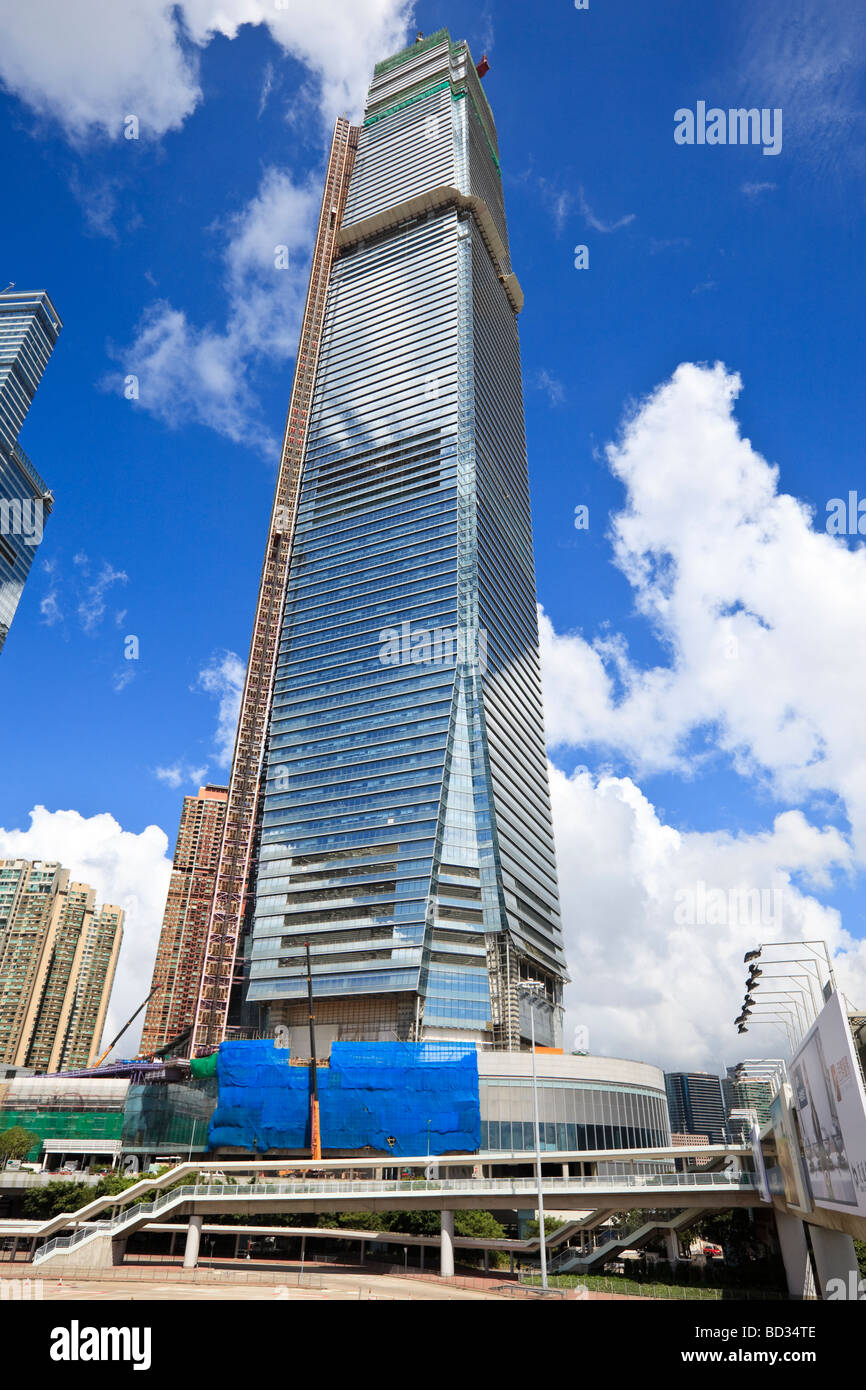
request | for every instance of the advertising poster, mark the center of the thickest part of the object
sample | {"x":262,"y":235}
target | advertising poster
{"x":830,"y":1104}
{"x":788,"y":1150}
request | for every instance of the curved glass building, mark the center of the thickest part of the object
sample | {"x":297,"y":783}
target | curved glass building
{"x":584,"y":1103}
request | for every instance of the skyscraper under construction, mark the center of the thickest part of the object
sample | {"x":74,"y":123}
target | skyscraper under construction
{"x":177,"y":968}
{"x":389,"y":801}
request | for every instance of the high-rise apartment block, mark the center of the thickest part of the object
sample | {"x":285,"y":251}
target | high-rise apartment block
{"x":29,"y":326}
{"x":58,"y":956}
{"x":389,"y":800}
{"x":180,"y":953}
{"x":696,"y":1105}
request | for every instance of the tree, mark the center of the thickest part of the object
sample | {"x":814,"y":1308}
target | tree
{"x":16,"y":1142}
{"x":626,"y":1221}
{"x":112,"y":1183}
{"x":413,"y":1223}
{"x":359,"y":1220}
{"x":55,"y":1198}
{"x":551,"y":1224}
{"x":480,"y":1224}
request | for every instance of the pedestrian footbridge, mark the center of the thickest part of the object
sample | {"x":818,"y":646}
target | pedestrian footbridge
{"x":87,"y":1238}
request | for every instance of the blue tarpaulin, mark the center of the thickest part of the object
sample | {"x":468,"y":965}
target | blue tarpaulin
{"x":394,"y":1098}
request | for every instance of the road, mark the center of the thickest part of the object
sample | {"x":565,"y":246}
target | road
{"x":329,"y":1288}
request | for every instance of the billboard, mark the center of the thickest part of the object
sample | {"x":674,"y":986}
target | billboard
{"x":790,"y":1165}
{"x":830,"y":1104}
{"x":758,"y":1160}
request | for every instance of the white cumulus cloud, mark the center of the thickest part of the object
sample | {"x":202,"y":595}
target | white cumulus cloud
{"x":653,"y":976}
{"x":223,"y":677}
{"x":186,"y":373}
{"x":761,"y":614}
{"x":180,"y":772}
{"x":92,"y":64}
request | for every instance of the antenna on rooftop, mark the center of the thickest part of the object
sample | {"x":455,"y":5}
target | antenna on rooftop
{"x":9,"y":287}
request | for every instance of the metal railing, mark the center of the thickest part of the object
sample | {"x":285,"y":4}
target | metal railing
{"x":142,"y":1212}
{"x":639,"y":1288}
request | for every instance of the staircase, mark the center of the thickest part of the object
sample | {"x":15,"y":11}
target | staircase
{"x":573,"y":1261}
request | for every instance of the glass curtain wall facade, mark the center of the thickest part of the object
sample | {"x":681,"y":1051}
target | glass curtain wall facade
{"x":697,"y":1105}
{"x":572,"y":1115}
{"x":406,"y":828}
{"x":29,"y":327}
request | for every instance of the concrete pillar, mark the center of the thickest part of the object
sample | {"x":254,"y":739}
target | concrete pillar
{"x":237,"y":1246}
{"x":363,"y":1251}
{"x":446,"y":1253}
{"x":486,"y":1261}
{"x":422,"y":1249}
{"x":14,"y":1248}
{"x":672,"y":1244}
{"x":193,"y":1240}
{"x":795,"y":1254}
{"x":836,"y":1263}
{"x":173,"y":1239}
{"x":565,"y":1172}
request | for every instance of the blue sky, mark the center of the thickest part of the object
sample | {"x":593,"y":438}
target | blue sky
{"x":675,"y":758}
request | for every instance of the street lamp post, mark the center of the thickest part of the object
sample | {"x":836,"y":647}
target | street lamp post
{"x":781,"y":1019}
{"x":812,"y":960}
{"x":529,"y":992}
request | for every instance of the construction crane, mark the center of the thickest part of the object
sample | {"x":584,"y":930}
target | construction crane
{"x":129,"y":1021}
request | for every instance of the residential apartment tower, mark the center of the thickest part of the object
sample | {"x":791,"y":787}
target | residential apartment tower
{"x":58,"y":956}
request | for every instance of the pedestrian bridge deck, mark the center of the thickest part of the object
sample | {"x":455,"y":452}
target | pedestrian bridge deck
{"x":322,"y":1195}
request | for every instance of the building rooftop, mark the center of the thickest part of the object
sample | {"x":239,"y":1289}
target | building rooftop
{"x":12,"y":299}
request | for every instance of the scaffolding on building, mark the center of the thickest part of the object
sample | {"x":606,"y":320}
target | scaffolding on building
{"x":222,"y":965}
